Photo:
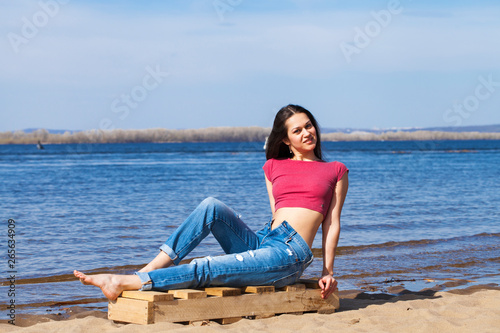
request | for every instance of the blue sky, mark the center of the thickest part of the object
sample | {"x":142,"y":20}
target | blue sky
{"x":81,"y":65}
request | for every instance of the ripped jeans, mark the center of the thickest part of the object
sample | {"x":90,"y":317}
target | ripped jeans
{"x":269,"y":257}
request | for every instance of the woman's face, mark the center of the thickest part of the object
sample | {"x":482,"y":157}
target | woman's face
{"x":301,"y":134}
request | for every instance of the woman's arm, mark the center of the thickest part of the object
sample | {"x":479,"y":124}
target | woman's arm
{"x":269,"y":186}
{"x":331,"y":232}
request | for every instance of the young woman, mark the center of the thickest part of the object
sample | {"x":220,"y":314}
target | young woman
{"x":304,"y":192}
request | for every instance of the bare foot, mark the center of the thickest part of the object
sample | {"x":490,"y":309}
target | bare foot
{"x":110,"y":284}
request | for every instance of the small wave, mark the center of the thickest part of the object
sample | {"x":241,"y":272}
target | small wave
{"x":344,"y":250}
{"x":50,"y":304}
{"x":71,"y":277}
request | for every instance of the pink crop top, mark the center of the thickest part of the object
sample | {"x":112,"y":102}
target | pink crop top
{"x":303,"y":184}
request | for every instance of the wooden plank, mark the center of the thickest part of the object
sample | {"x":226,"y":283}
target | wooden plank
{"x":188,"y":293}
{"x":258,"y":289}
{"x":263,"y":304}
{"x":131,"y":311}
{"x":223,"y":291}
{"x":294,"y":287}
{"x":264,"y":316}
{"x":151,"y":296}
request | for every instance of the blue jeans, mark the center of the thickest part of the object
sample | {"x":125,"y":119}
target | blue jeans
{"x":269,"y":257}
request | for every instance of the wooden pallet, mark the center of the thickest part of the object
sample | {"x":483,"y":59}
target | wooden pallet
{"x":222,"y":304}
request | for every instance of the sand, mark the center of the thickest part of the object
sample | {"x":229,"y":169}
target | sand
{"x":475,"y":309}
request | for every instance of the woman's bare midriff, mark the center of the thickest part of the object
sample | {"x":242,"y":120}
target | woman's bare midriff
{"x":305,"y":221}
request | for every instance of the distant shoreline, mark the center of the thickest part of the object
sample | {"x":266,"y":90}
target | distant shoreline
{"x":223,"y":134}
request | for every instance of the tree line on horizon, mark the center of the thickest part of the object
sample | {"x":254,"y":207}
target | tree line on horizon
{"x":220,"y":134}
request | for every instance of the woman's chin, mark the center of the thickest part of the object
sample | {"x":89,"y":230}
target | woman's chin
{"x":307,"y":148}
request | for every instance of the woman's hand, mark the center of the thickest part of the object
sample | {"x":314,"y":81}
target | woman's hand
{"x":328,"y":285}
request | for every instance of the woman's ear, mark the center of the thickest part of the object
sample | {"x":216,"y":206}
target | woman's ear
{"x":286,"y":141}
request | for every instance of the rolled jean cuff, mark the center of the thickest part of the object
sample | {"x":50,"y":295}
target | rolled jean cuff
{"x":145,"y":281}
{"x":175,"y":258}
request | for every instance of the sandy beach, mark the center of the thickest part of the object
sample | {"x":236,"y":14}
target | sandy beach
{"x":475,"y":309}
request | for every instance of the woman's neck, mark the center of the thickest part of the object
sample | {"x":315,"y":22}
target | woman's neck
{"x":308,"y":157}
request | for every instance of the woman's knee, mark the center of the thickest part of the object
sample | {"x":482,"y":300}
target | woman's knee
{"x":210,"y":203}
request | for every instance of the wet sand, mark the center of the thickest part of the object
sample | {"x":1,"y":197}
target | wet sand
{"x":474,"y":309}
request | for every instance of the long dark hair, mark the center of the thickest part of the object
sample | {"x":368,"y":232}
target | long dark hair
{"x":275,"y":147}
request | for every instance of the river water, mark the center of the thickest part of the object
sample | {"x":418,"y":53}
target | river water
{"x":417,"y":215}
